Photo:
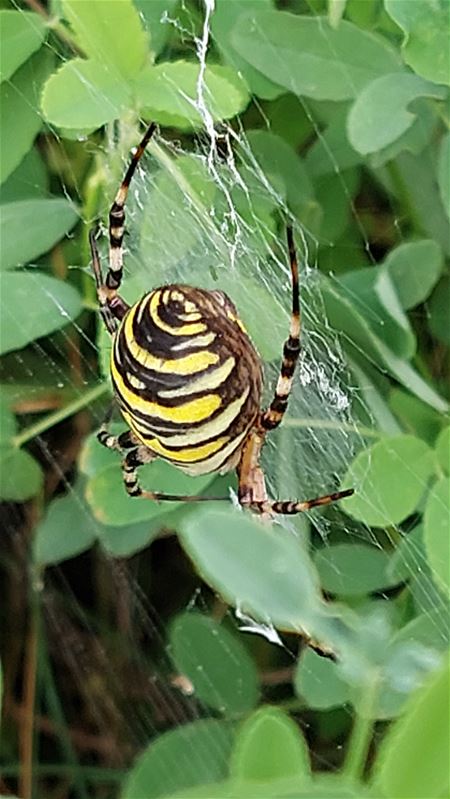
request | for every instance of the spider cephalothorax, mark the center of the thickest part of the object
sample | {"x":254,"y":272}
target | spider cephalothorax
{"x":187,"y":377}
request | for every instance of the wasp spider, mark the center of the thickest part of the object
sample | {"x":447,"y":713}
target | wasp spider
{"x":187,"y":378}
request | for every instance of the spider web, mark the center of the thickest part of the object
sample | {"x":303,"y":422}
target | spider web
{"x":203,"y":214}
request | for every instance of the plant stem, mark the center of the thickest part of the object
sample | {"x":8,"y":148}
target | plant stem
{"x":58,"y":416}
{"x":361,"y":734}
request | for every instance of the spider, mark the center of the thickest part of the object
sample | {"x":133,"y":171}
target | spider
{"x":187,"y":378}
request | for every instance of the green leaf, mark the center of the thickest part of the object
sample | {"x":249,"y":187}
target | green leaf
{"x":85,"y":95}
{"x":67,"y":529}
{"x":122,"y":542}
{"x":309,"y":57}
{"x":443,"y":449}
{"x":262,"y":570}
{"x":317,"y":681}
{"x":415,"y":178}
{"x":192,"y":754}
{"x":109,"y":32}
{"x":49,"y":304}
{"x":409,"y":557}
{"x":438,"y":306}
{"x":380,"y":113}
{"x":390,"y":479}
{"x":416,"y":416}
{"x":359,"y":337}
{"x":437,"y":531}
{"x":8,"y":424}
{"x":21,"y":34}
{"x":111,"y":504}
{"x":226,"y":16}
{"x":332,"y":151}
{"x":29,"y":228}
{"x":280,"y":161}
{"x":352,"y":569}
{"x":373,"y":295}
{"x":30,"y":179}
{"x":414,"y":140}
{"x":20,"y":476}
{"x":21,"y":120}
{"x":425,"y":46}
{"x":169,"y":90}
{"x":444,"y":173}
{"x":412,"y":761}
{"x":156,"y":16}
{"x":217,"y":664}
{"x":269,"y":745}
{"x":414,"y":268}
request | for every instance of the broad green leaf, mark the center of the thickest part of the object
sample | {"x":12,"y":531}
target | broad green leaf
{"x":170,"y":90}
{"x":8,"y":424}
{"x":21,"y":33}
{"x":309,"y":57}
{"x":425,"y":46}
{"x":416,"y":416}
{"x":109,"y":32}
{"x":352,"y":569}
{"x":29,"y":180}
{"x":215,"y":661}
{"x":66,"y":530}
{"x":412,"y":761}
{"x":122,"y":542}
{"x":373,"y":295}
{"x":332,"y":151}
{"x":192,"y":754}
{"x":443,"y":449}
{"x":317,"y":681}
{"x":157,"y":15}
{"x":269,"y":745}
{"x":49,"y":304}
{"x":226,"y":16}
{"x":334,"y":194}
{"x":437,"y":307}
{"x":21,"y":119}
{"x":415,"y":139}
{"x":263,"y":570}
{"x":409,"y":557}
{"x":359,"y":337}
{"x":111,"y":505}
{"x":444,"y":173}
{"x":380,"y":113}
{"x":437,"y":532}
{"x":322,"y":786}
{"x":414,"y":268}
{"x":280,"y":161}
{"x":389,"y":478}
{"x":417,"y":177}
{"x":29,"y":228}
{"x":20,"y":475}
{"x":85,"y":95}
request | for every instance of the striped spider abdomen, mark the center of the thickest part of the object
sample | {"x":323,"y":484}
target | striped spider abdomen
{"x":187,"y":378}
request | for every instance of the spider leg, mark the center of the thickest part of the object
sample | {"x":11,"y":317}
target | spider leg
{"x":288,"y":507}
{"x":117,"y":216}
{"x":112,"y":306}
{"x":138,"y":457}
{"x":272,"y":417}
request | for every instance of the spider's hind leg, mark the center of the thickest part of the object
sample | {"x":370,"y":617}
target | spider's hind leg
{"x":291,"y":507}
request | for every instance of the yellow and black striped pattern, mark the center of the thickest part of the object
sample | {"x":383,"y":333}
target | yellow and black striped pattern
{"x":187,"y":377}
